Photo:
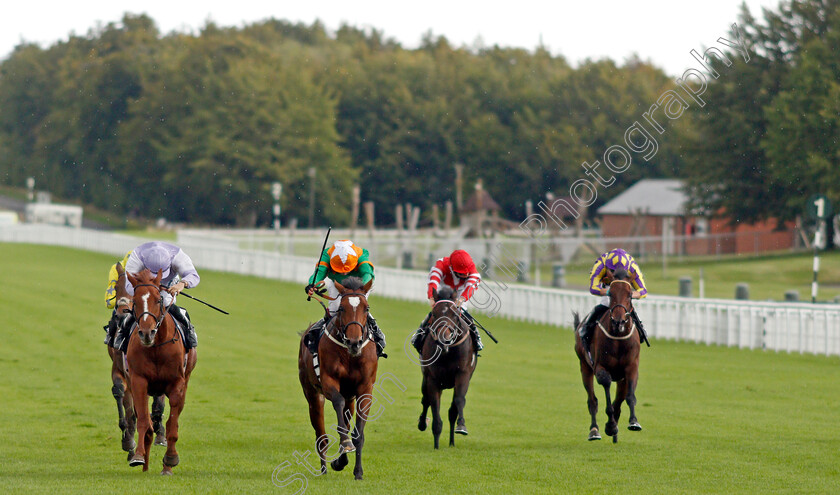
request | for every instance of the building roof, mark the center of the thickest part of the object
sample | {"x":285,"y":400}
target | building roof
{"x":664,"y":197}
{"x":487,"y":202}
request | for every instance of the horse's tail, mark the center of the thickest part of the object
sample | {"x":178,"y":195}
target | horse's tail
{"x":577,"y":319}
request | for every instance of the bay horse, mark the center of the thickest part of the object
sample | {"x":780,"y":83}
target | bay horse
{"x":157,"y":365}
{"x":448,"y":361}
{"x":347,"y":361}
{"x":614,"y":353}
{"x":119,"y":378}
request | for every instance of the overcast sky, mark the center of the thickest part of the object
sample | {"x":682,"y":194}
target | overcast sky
{"x":660,"y":31}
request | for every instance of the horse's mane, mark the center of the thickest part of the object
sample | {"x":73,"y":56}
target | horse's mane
{"x":445,"y":293}
{"x":621,"y":274}
{"x":352,"y":283}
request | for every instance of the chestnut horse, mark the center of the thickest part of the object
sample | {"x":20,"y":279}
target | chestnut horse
{"x":119,"y":377}
{"x":157,"y":364}
{"x":348,"y":362}
{"x":448,"y":361}
{"x":614,"y":346}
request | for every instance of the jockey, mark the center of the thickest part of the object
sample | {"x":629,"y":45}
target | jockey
{"x":458,"y":272}
{"x":602,"y":271}
{"x":111,"y":301}
{"x":177,"y":273}
{"x":342,"y":260}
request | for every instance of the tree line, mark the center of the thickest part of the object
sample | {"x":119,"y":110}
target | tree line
{"x":196,"y":127}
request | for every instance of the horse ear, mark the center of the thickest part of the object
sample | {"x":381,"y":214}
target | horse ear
{"x":435,"y":294}
{"x":132,"y":279}
{"x":120,"y":269}
{"x":367,"y":286}
{"x":158,"y":277}
{"x":341,"y":289}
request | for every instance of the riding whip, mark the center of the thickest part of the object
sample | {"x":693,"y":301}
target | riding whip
{"x":318,"y":261}
{"x":485,"y":330}
{"x":205,"y":303}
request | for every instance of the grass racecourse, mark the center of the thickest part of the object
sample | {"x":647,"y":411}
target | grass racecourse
{"x":716,"y":420}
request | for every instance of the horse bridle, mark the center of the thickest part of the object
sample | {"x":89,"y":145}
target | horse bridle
{"x":343,"y":332}
{"x":463,"y":335}
{"x":162,"y":312}
{"x":617,"y":322}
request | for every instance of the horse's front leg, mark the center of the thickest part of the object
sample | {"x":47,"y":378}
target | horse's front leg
{"x":431,"y":393}
{"x":456,"y":410}
{"x":157,"y":420}
{"x":124,"y":404}
{"x":331,"y":392}
{"x":591,"y":400}
{"x":605,"y":380}
{"x":139,"y":393}
{"x":176,"y":393}
{"x":632,"y":380}
{"x":421,"y":423}
{"x":365,"y":399}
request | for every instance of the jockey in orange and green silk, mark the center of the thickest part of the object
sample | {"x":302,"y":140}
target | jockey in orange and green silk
{"x":342,"y":260}
{"x":604,"y":268}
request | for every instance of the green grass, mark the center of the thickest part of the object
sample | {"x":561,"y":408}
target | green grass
{"x":769,"y":277}
{"x":716,"y":420}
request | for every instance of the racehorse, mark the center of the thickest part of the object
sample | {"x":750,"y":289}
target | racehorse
{"x":157,"y":364}
{"x":448,"y":361}
{"x":613,"y":357}
{"x":347,"y":362}
{"x":125,"y":404}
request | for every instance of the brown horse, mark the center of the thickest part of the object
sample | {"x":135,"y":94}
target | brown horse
{"x":157,"y":364}
{"x":348,"y":362}
{"x":119,"y":377}
{"x":614,"y":355}
{"x":448,"y":361}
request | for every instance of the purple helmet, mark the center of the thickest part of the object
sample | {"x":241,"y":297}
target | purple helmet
{"x":618,"y":258}
{"x":157,"y":257}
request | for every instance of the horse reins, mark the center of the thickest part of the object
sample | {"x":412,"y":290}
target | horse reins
{"x":434,"y":333}
{"x":343,"y":334}
{"x":157,"y":321}
{"x":626,"y":311}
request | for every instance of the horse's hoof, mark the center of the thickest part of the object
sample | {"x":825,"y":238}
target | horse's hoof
{"x":160,"y":440}
{"x":128,"y":444}
{"x":167,"y":471}
{"x":461,"y":430}
{"x":339,"y":463}
{"x":130,"y":455}
{"x":634,"y":427}
{"x":421,"y":424}
{"x":594,"y":435}
{"x":137,"y":460}
{"x":615,"y":438}
{"x":171,"y":460}
{"x":611,"y":430}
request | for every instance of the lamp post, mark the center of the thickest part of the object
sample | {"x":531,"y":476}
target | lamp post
{"x":311,"y":197}
{"x":30,"y":188}
{"x":276,"y":191}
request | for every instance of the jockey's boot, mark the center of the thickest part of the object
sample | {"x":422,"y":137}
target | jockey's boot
{"x":420,"y":335}
{"x":589,"y":326}
{"x":378,"y":336}
{"x":641,"y":327}
{"x":183,"y":319}
{"x":111,"y":329}
{"x":121,"y":337}
{"x":473,"y":331}
{"x":313,"y":336}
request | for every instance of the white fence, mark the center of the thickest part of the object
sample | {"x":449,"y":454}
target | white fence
{"x":792,"y":327}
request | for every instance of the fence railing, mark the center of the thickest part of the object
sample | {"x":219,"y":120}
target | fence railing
{"x":791,"y":327}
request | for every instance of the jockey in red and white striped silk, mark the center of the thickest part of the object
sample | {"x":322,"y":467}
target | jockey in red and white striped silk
{"x":603,"y":269}
{"x":458,"y":272}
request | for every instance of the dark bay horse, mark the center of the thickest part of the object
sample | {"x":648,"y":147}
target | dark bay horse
{"x":157,"y":364}
{"x":614,"y":351}
{"x":448,"y":361}
{"x":119,"y":377}
{"x":348,"y":363}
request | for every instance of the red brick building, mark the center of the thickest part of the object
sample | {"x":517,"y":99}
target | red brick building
{"x":656,"y":208}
